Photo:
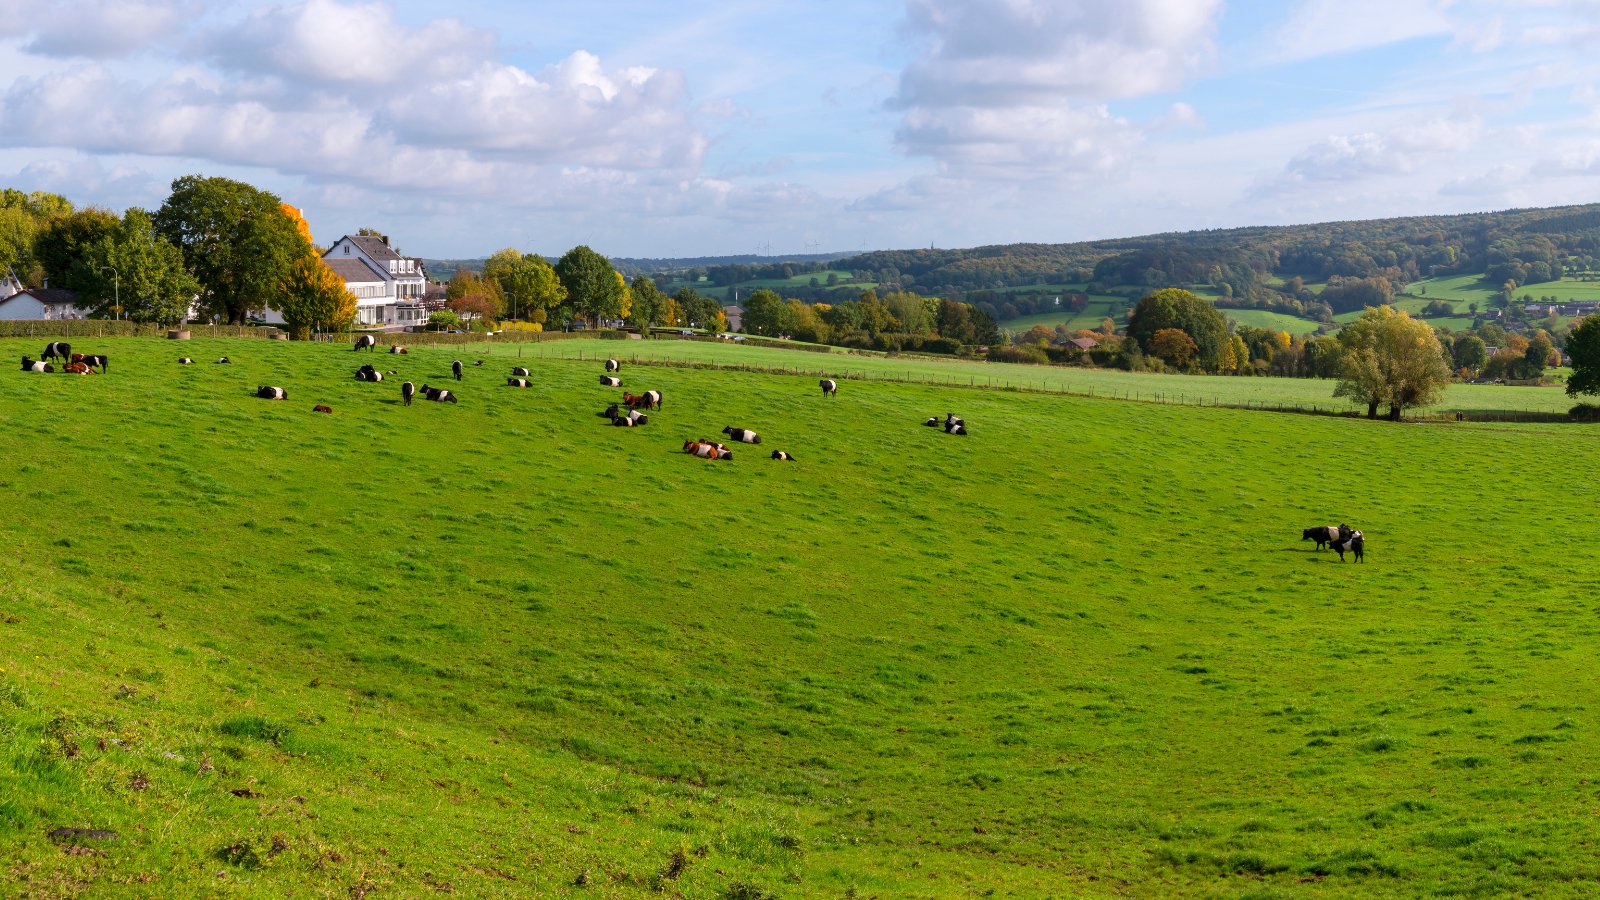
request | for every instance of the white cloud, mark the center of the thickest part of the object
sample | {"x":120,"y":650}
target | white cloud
{"x":1017,"y":88}
{"x":1400,"y":151}
{"x":1328,"y":27}
{"x":97,"y":29}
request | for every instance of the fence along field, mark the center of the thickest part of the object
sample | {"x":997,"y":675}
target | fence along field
{"x":504,"y":648}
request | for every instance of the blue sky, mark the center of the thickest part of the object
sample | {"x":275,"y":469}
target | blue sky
{"x":699,"y":128}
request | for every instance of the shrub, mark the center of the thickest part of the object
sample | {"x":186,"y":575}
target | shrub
{"x":1585,"y":412}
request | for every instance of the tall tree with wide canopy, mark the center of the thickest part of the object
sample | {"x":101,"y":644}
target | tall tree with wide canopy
{"x":62,"y":247}
{"x":140,"y":269}
{"x":236,"y":241}
{"x":1391,"y":358}
{"x":649,"y":305}
{"x":527,"y":281}
{"x":1180,"y":309}
{"x":593,"y":289}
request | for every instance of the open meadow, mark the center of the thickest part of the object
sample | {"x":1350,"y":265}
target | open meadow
{"x":501,"y":649}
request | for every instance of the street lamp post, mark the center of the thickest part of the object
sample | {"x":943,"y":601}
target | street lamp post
{"x":116,"y":288}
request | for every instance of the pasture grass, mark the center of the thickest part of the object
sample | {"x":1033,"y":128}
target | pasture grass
{"x":1171,"y":388}
{"x":503,"y":650}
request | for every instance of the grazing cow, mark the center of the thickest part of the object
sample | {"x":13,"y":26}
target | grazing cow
{"x":612,"y":365}
{"x":783,"y":455}
{"x":58,"y":350}
{"x":78,"y":368}
{"x":224,"y":361}
{"x":1354,"y":542}
{"x":272,"y":393}
{"x":438,"y":395}
{"x":407,"y":391}
{"x":610,"y":381}
{"x":652,"y":400}
{"x":365,"y":342}
{"x":455,"y":367}
{"x":1322,"y":534}
{"x":322,"y":409}
{"x":830,"y":388}
{"x":29,"y":364}
{"x":396,"y":348}
{"x":520,"y":372}
{"x":185,"y":361}
{"x":368,"y":373}
{"x":743,"y":435}
{"x":518,"y":382}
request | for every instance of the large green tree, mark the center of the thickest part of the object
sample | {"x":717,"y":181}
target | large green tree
{"x":1393,"y":359}
{"x":528,"y":282}
{"x":62,"y":247}
{"x":699,"y":310}
{"x":765,"y":313}
{"x":648,"y":306}
{"x":1180,"y":309}
{"x":1583,"y":345}
{"x":594,"y":291}
{"x":236,"y":241}
{"x":141,"y":270}
{"x":314,"y":296}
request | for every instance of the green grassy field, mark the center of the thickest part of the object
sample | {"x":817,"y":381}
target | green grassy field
{"x":1464,"y":289}
{"x":782,"y":284}
{"x":1192,"y":389}
{"x":503,"y":650}
{"x":1089,"y":317}
{"x":1266,"y":318}
{"x":1414,"y":305}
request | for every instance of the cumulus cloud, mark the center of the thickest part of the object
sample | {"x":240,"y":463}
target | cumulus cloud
{"x":97,"y":29}
{"x":1017,"y":88}
{"x":1326,"y":27}
{"x":430,"y":108}
{"x":1349,"y":157}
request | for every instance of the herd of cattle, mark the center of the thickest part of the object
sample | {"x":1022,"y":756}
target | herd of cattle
{"x":71,"y":363}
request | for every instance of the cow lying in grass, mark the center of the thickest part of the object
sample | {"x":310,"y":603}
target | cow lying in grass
{"x":438,"y":395}
{"x":783,"y":455}
{"x":519,"y":372}
{"x":633,"y":419}
{"x":78,"y":368}
{"x":396,"y":348}
{"x":742,"y":435}
{"x":322,"y":409}
{"x":185,"y":361}
{"x":29,"y":364}
{"x":707,"y":450}
{"x":518,"y":382}
{"x":272,"y":393}
{"x":96,"y":360}
{"x":368,"y":373}
{"x":610,"y":381}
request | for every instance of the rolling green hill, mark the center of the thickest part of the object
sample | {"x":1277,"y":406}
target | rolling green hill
{"x":500,"y":649}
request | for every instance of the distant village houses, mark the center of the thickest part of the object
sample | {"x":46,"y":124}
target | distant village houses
{"x":18,"y":303}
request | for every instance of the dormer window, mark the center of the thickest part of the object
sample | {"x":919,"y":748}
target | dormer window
{"x":346,"y":249}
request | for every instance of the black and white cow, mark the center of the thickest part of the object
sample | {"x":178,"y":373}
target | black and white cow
{"x":98,"y":360}
{"x":455,"y":368}
{"x":396,"y":348}
{"x":1355,"y":542}
{"x":933,"y":422}
{"x":612,"y":411}
{"x":951,"y":420}
{"x":58,"y":349}
{"x":185,"y":361}
{"x":652,"y":400}
{"x":29,"y":364}
{"x":365,"y":342}
{"x":224,"y":361}
{"x":368,"y":373}
{"x":633,"y":419}
{"x":830,"y":388}
{"x":1322,"y":534}
{"x":272,"y":393}
{"x":407,"y":391}
{"x":612,"y":365}
{"x":783,"y":455}
{"x":959,"y":428}
{"x":519,"y":371}
{"x":518,"y":382}
{"x":743,"y":435}
{"x":438,"y":395}
{"x":610,"y":381}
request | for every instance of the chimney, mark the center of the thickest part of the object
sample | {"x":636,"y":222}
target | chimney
{"x":385,"y":240}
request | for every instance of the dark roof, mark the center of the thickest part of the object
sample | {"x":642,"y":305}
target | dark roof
{"x":48,"y":295}
{"x":353,"y":269}
{"x":1084,"y":343}
{"x":375,"y":247}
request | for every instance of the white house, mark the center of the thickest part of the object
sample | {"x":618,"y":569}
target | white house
{"x":34,"y":304}
{"x":389,"y":288}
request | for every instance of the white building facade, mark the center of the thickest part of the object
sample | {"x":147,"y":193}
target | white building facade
{"x":389,"y":287}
